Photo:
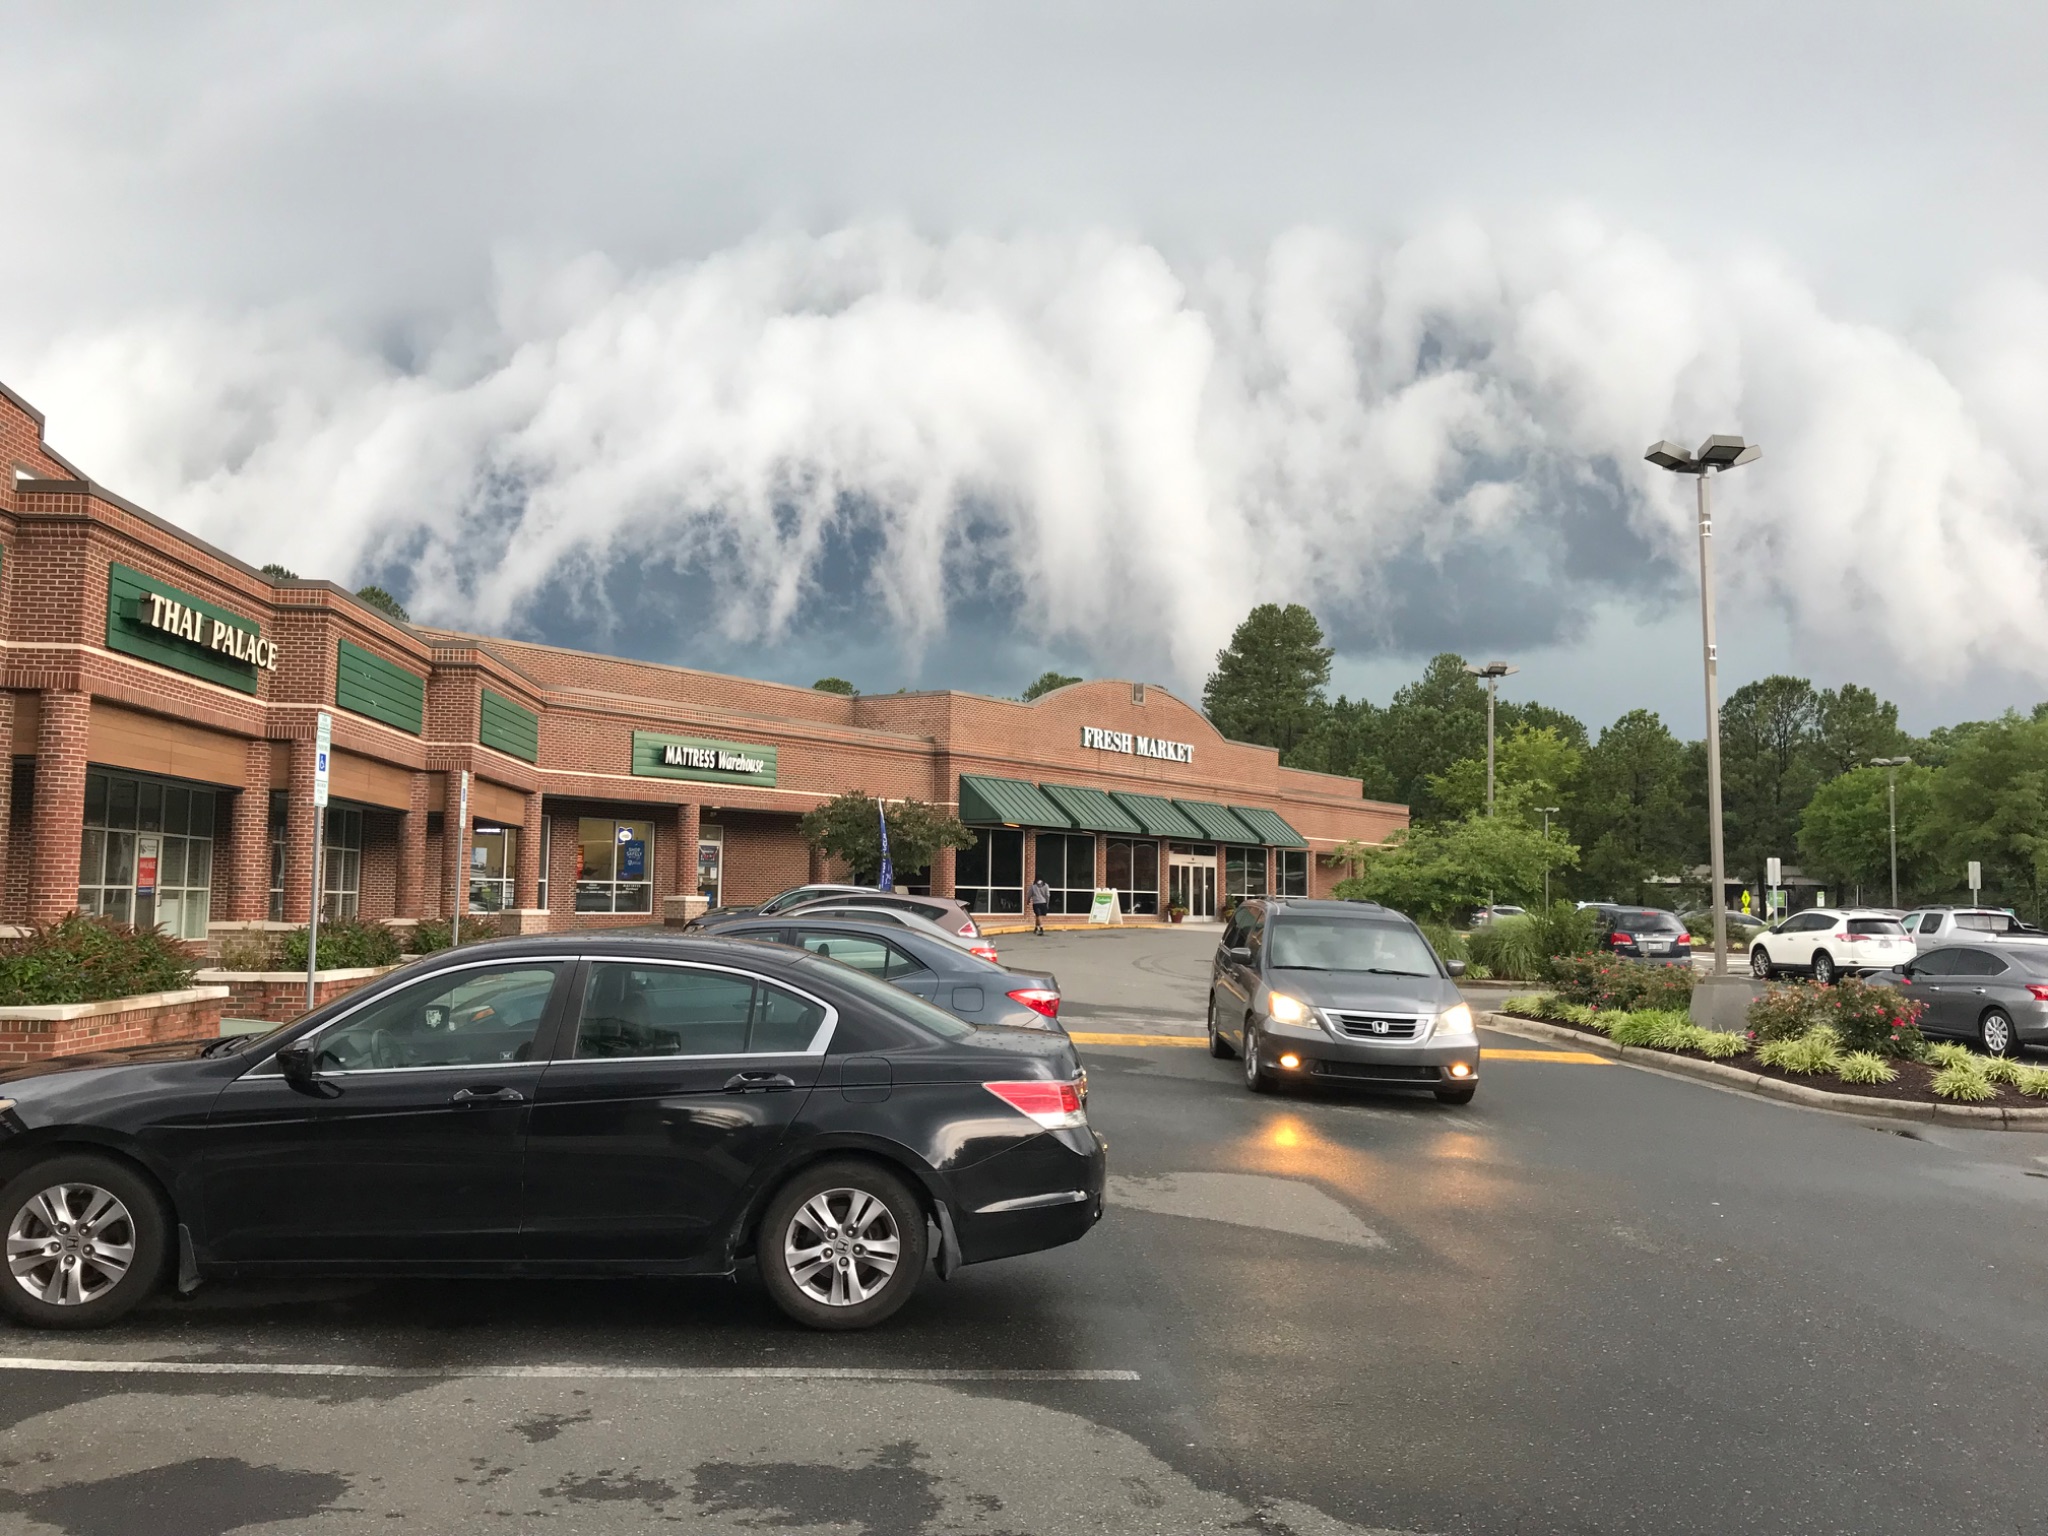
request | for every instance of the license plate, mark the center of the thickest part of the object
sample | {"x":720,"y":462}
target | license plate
{"x":1656,"y":946}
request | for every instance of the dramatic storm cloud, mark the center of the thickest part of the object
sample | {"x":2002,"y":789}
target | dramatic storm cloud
{"x":749,"y":335}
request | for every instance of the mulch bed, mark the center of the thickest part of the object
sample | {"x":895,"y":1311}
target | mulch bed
{"x":1912,"y":1086}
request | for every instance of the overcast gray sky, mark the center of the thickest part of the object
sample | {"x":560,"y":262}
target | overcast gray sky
{"x":937,"y":344}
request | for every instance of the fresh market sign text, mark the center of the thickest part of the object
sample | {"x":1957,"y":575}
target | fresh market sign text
{"x":1136,"y":746}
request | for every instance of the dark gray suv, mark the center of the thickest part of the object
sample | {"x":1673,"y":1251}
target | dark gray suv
{"x":1339,"y":991}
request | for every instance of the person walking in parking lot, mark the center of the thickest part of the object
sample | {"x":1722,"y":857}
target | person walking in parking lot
{"x":1040,"y":896}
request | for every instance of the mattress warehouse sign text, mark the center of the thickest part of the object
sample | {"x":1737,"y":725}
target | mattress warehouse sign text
{"x":657,"y":755}
{"x":1130,"y":745}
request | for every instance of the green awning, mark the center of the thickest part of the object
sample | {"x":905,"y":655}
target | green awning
{"x":1216,"y":822}
{"x":1270,"y":825}
{"x":1008,"y":802}
{"x":1156,"y":817}
{"x":1091,"y":809}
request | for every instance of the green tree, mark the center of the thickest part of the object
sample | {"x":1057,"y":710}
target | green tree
{"x":1268,"y":683}
{"x":1851,"y":726}
{"x":1533,"y":766}
{"x":1845,"y":830}
{"x":1990,"y":803}
{"x":280,"y":573}
{"x":835,"y":685}
{"x":1046,"y":682}
{"x":1435,"y":721}
{"x":1438,"y":873}
{"x":849,"y":827}
{"x":1768,"y":773}
{"x":384,"y":603}
{"x":1346,"y":738}
{"x":1630,"y":810}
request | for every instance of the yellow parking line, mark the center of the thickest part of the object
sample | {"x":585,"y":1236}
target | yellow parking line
{"x":1081,"y":1039}
{"x":1566,"y":1058}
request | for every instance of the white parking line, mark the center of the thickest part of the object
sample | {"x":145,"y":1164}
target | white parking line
{"x":543,"y":1372}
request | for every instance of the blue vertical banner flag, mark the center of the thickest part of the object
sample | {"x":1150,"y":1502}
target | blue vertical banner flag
{"x":888,"y":879}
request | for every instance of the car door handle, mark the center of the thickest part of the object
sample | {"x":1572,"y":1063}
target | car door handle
{"x":759,"y":1082}
{"x":463,"y":1098}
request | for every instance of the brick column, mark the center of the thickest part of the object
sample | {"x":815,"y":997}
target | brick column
{"x":59,"y":818}
{"x":412,"y":849}
{"x":688,"y":818}
{"x":298,"y":834}
{"x":247,"y":844}
{"x":526,"y":883}
{"x":943,"y":867}
{"x":6,"y":780}
{"x":455,"y":844}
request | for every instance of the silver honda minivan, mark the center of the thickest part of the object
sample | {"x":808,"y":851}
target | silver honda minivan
{"x":1339,"y":992}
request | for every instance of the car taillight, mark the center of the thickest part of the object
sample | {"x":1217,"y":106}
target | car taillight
{"x":969,"y":931}
{"x":1038,"y":1000}
{"x":2038,"y":991}
{"x":988,"y":953}
{"x":1851,"y":938}
{"x":1620,"y":939}
{"x":1056,"y":1106}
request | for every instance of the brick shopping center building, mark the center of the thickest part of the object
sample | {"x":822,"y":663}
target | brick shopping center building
{"x":160,"y":706}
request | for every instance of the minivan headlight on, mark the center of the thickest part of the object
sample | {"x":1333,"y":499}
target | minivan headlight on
{"x":1454,"y":1020}
{"x":1283,"y":1009}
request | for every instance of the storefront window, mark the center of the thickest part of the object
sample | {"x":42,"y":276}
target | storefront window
{"x":1133,"y":868}
{"x":1066,"y":863}
{"x":146,"y":853}
{"x":280,"y":810}
{"x":1292,"y":872}
{"x":989,"y":877}
{"x":493,"y":867}
{"x":1244,"y":873}
{"x":342,"y":891}
{"x":614,"y":865}
{"x":710,"y":862}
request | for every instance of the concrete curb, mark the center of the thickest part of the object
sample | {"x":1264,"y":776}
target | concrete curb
{"x":1976,"y":1117}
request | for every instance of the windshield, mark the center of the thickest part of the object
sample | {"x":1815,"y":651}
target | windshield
{"x":1647,"y":922}
{"x":898,"y":1003}
{"x":1345,"y":944}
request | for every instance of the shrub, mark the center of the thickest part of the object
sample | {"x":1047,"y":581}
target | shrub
{"x":344,"y":944}
{"x":1719,"y":1045}
{"x":80,"y":959}
{"x":1603,"y":982}
{"x":430,"y":935}
{"x":1964,"y":1083}
{"x":1950,"y":1053}
{"x":1662,"y":1028}
{"x":2002,"y":1069}
{"x":249,"y":952}
{"x":1866,"y":1067}
{"x":2033,"y":1082}
{"x":1552,"y":1008}
{"x":1448,"y":943}
{"x":1562,"y":929}
{"x":1812,"y":1053}
{"x":1508,"y":946}
{"x":1864,"y":1017}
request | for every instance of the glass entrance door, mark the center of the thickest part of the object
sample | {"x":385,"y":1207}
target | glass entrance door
{"x":1191,"y":881}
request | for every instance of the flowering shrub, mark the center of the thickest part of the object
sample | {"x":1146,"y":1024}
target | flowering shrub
{"x":1603,"y":982}
{"x":1864,"y":1017}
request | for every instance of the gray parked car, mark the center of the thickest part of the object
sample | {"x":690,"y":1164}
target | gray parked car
{"x":948,"y":913}
{"x":1339,"y":991}
{"x":965,"y":985}
{"x":1996,"y":998}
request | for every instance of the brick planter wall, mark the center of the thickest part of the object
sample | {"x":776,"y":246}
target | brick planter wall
{"x":280,"y":996}
{"x":67,"y":1029}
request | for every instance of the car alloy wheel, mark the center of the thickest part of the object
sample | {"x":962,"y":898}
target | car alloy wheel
{"x":1824,"y":969}
{"x":842,"y":1245}
{"x":1760,"y":964}
{"x":1995,"y":1033}
{"x":71,"y":1244}
{"x":1256,"y":1078}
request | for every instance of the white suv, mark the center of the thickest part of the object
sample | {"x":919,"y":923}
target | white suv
{"x":1831,"y":941}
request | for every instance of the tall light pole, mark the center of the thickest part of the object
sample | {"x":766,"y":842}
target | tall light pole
{"x":1493,"y":672}
{"x":1717,"y":453}
{"x":1891,"y":766}
{"x":1548,"y":812}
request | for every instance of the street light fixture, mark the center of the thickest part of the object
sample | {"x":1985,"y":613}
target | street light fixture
{"x":1892,"y":765}
{"x":1548,"y":812}
{"x":1493,"y":672}
{"x":1717,"y":453}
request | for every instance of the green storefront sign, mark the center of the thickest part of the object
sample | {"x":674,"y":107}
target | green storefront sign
{"x":165,"y":624}
{"x":693,"y":757}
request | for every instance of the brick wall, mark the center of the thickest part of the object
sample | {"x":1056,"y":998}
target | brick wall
{"x":280,"y":996}
{"x":194,"y":1014}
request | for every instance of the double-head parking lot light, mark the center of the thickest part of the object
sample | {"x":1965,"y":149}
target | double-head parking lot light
{"x":1717,"y":453}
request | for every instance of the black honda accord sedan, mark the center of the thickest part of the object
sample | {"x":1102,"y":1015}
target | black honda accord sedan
{"x":602,"y":1104}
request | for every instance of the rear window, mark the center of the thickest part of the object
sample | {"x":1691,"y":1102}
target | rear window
{"x":1987,"y":922}
{"x":1881,"y":927}
{"x":898,"y":1003}
{"x":1648,"y":922}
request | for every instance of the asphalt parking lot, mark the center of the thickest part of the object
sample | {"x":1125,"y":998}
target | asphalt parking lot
{"x":1598,"y":1299}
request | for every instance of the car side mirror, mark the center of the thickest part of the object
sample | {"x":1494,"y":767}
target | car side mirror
{"x":1237,"y":954}
{"x":1455,"y":967}
{"x":299,"y":1062}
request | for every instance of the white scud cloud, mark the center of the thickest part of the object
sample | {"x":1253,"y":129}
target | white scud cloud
{"x":1134,"y":446}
